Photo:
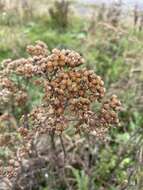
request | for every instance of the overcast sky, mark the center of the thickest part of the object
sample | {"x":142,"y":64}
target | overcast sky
{"x":127,"y":2}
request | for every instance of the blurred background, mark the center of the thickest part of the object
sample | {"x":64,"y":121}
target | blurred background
{"x":109,"y":35}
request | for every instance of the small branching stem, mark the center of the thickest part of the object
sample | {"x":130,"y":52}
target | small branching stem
{"x":63,"y":146}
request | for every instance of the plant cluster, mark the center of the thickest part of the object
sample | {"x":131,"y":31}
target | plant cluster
{"x":69,"y":93}
{"x":59,"y":14}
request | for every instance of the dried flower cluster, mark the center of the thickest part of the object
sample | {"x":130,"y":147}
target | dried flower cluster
{"x":68,"y":96}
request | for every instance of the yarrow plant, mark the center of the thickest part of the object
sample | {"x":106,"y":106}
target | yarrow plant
{"x":70,"y":94}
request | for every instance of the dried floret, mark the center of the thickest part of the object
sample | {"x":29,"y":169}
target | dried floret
{"x":69,"y":93}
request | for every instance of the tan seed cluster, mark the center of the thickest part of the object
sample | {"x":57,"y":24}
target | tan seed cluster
{"x":68,"y":90}
{"x":39,"y":49}
{"x":108,"y":112}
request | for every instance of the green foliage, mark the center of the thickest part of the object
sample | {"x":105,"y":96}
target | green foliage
{"x":81,"y":178}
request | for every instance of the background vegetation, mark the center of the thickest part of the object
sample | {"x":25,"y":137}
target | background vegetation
{"x":111,"y":43}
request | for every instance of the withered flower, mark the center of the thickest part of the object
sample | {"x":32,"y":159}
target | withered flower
{"x":69,"y":92}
